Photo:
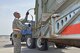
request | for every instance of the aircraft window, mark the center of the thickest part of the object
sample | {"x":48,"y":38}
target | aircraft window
{"x":70,"y":15}
{"x":65,"y":18}
{"x":62,"y":22}
{"x":57,"y":25}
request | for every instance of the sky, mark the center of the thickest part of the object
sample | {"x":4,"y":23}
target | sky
{"x":7,"y":7}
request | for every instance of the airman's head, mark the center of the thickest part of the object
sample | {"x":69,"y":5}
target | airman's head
{"x":16,"y":15}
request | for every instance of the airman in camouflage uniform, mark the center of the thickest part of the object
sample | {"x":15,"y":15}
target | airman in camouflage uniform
{"x":17,"y":26}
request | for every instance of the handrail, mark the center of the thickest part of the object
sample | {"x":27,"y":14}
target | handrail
{"x":29,"y":9}
{"x":68,"y":13}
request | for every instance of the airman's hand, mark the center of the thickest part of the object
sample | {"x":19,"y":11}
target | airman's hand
{"x":27,"y":13}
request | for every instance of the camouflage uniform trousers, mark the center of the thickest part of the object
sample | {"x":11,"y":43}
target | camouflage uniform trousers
{"x":17,"y":43}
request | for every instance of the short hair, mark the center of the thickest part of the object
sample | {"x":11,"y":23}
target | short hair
{"x":15,"y":13}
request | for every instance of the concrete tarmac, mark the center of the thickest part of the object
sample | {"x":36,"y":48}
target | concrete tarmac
{"x":6,"y":47}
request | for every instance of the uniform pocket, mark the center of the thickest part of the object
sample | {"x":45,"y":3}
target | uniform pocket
{"x":15,"y":35}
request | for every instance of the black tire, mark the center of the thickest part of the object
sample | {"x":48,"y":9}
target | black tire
{"x":43,"y":45}
{"x":31,"y":42}
{"x":11,"y":39}
{"x":60,"y":45}
{"x":12,"y":42}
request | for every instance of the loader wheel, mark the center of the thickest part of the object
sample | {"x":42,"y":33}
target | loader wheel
{"x":60,"y":46}
{"x":41,"y":44}
{"x":30,"y":42}
{"x":12,"y":42}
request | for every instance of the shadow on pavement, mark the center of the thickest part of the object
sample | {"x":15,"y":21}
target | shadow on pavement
{"x":8,"y":45}
{"x":50,"y":50}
